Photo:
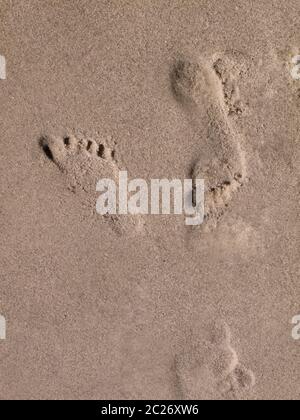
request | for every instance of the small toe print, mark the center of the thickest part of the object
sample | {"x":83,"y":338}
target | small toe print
{"x":46,"y":149}
{"x":101,"y":151}
{"x":54,"y":149}
{"x":67,"y":141}
{"x":92,"y":147}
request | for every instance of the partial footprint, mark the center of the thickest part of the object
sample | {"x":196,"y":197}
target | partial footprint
{"x":237,"y":384}
{"x":210,"y":369}
{"x":83,"y":162}
{"x":210,"y":96}
{"x":231,"y":68}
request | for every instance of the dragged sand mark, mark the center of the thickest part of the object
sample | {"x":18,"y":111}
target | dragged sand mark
{"x":210,"y":369}
{"x":221,"y":162}
{"x":84,"y":161}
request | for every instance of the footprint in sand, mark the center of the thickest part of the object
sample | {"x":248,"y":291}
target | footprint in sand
{"x":83,"y":162}
{"x":210,"y":369}
{"x":209,"y":94}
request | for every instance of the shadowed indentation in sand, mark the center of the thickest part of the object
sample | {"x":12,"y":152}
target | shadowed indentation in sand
{"x":198,"y":84}
{"x":46,"y":148}
{"x":83,"y":162}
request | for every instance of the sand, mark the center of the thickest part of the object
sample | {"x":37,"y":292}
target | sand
{"x":144,"y":307}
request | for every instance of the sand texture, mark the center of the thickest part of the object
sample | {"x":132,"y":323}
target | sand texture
{"x":143,"y":306}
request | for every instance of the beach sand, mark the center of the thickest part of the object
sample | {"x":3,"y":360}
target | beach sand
{"x":144,"y":307}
